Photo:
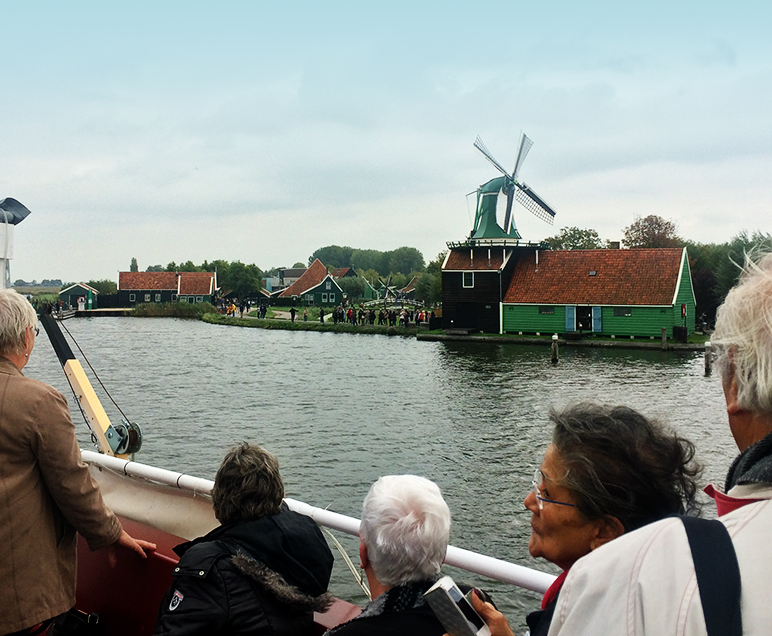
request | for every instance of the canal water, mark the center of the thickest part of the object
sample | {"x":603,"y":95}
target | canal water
{"x":339,"y":410}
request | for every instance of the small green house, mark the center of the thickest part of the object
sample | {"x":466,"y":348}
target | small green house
{"x":629,"y":293}
{"x":73,"y":294}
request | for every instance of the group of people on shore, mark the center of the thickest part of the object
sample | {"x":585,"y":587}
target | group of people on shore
{"x":613,"y":504}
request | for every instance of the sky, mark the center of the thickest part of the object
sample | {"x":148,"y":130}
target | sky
{"x":261,"y":131}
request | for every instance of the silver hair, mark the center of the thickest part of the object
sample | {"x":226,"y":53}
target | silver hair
{"x":405,"y":528}
{"x":743,"y":335}
{"x":16,"y":314}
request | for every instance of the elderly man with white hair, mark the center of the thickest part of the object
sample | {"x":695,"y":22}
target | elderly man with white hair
{"x":644,"y":583}
{"x":47,"y":493}
{"x":404,"y":536}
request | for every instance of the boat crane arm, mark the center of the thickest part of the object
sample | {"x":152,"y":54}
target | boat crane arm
{"x":120,"y":440}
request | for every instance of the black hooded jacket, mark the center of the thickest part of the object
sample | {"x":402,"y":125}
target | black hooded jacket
{"x":264,"y":577}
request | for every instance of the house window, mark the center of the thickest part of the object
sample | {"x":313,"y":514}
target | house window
{"x":332,"y":298}
{"x":174,"y":298}
{"x":468,"y":279}
{"x":191,"y":299}
{"x":324,"y":298}
{"x":546,"y":309}
{"x":147,"y":298}
{"x":620,"y":312}
{"x":132,"y":298}
{"x":199,"y":299}
{"x":328,"y":285}
{"x":158,"y":298}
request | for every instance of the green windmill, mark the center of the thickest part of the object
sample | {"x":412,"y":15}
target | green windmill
{"x":485,"y":224}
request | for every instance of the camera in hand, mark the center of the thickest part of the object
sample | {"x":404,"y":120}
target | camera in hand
{"x":454,"y":610}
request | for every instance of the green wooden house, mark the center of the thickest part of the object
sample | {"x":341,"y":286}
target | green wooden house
{"x":628,"y":293}
{"x":71,"y":296}
{"x":314,"y":288}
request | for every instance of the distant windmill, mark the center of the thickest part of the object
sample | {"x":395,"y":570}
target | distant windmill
{"x":485,"y":224}
{"x":11,"y":213}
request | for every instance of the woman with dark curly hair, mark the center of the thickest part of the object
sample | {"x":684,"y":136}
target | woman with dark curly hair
{"x":609,"y":470}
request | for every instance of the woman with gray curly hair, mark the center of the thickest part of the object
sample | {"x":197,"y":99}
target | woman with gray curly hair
{"x":609,"y":470}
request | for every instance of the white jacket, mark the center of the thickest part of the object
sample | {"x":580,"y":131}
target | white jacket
{"x":643,"y":583}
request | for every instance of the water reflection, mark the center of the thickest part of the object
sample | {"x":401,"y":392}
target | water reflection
{"x":341,"y":410}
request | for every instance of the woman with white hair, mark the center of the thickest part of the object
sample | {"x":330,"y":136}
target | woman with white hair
{"x":46,"y":491}
{"x":404,"y":536}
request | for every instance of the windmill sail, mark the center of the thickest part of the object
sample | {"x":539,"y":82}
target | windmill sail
{"x":522,"y":151}
{"x":478,"y":143}
{"x":534,"y":204}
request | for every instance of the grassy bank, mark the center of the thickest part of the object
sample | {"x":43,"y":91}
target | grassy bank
{"x":219,"y":319}
{"x":173,"y":310}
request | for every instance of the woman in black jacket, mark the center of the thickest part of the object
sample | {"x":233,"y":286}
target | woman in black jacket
{"x":263,"y":572}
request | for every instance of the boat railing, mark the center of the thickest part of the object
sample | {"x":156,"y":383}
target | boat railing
{"x":490,"y":567}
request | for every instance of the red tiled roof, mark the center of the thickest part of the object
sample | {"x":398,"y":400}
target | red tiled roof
{"x":623,"y":277}
{"x":340,"y":272}
{"x":475,"y":259}
{"x":190,"y":283}
{"x":147,"y":280}
{"x":410,"y":286}
{"x":314,"y":275}
{"x":197,"y":283}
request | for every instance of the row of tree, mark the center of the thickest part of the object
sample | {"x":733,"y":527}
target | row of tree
{"x":402,"y":260}
{"x":715,"y":267}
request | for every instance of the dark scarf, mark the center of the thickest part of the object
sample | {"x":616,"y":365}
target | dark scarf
{"x":288,"y":543}
{"x":753,"y":466}
{"x":396,"y":599}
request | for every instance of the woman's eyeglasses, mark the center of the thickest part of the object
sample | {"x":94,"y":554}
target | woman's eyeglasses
{"x":538,"y":478}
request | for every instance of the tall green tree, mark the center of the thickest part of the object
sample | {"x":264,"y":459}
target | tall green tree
{"x":575,"y":238}
{"x":370,"y":259}
{"x":155,"y":268}
{"x":133,"y":267}
{"x":333,"y":256}
{"x":435,"y":266}
{"x":651,"y":231}
{"x":732,"y":260}
{"x":104,"y":286}
{"x":406,"y":260}
{"x":244,"y":280}
{"x":353,"y":287}
{"x":428,"y":288}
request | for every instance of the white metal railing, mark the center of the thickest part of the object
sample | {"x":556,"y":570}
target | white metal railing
{"x":466,"y":559}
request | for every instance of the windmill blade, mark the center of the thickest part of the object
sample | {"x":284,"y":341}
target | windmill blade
{"x":478,"y":143}
{"x":508,"y":216}
{"x":522,"y":151}
{"x":534,"y":203}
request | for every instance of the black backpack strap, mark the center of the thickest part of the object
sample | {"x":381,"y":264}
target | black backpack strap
{"x":718,"y":575}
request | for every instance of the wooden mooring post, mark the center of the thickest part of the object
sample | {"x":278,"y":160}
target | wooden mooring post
{"x":708,"y":357}
{"x":664,"y":337}
{"x":554,"y":349}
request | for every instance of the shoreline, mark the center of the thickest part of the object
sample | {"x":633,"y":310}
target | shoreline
{"x":219,"y":319}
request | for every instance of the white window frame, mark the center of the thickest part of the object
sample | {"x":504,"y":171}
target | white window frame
{"x":147,"y":298}
{"x":463,"y":280}
{"x":158,"y":298}
{"x":132,"y":298}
